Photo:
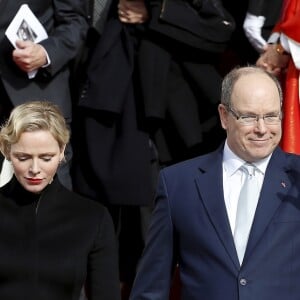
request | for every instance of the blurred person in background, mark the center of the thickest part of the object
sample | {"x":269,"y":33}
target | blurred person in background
{"x":259,"y":22}
{"x":282,"y":58}
{"x":66,"y":25}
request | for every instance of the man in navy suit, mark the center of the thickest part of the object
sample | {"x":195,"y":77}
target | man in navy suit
{"x":194,"y":219}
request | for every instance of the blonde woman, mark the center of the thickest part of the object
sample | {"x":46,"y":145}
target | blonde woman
{"x":53,"y":241}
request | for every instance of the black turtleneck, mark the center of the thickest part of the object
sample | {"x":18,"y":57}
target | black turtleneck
{"x":51,"y":242}
{"x":15,"y":191}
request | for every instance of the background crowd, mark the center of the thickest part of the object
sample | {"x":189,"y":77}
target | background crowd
{"x":139,"y":89}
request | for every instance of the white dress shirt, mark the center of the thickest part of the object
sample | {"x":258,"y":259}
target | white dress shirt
{"x":233,"y":179}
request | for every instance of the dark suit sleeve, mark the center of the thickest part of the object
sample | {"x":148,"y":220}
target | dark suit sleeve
{"x":102,"y":276}
{"x":255,"y":7}
{"x":154,"y":273}
{"x":66,"y":37}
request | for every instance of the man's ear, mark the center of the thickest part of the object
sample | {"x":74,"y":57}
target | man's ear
{"x":223,"y":114}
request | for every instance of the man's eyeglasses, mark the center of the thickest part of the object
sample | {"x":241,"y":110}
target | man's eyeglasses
{"x":269,"y":119}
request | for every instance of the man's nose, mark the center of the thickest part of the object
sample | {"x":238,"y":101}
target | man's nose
{"x":261,"y":125}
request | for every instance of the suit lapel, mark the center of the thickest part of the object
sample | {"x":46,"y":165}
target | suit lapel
{"x":276,"y":183}
{"x":210,"y":183}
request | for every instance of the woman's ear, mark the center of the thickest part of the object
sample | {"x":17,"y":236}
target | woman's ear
{"x":62,"y":153}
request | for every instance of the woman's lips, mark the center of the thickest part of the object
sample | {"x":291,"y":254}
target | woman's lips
{"x":34,"y":180}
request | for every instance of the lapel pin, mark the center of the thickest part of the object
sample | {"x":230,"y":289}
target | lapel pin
{"x":283,"y":184}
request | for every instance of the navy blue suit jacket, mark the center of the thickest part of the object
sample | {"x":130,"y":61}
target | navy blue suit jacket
{"x":190,"y":228}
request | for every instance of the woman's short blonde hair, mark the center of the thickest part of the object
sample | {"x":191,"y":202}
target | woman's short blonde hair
{"x":33,"y":116}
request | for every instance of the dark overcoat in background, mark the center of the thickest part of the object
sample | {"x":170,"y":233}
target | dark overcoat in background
{"x":66,"y":25}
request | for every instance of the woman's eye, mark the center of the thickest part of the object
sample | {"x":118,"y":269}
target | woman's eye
{"x":46,"y":159}
{"x":21,"y":158}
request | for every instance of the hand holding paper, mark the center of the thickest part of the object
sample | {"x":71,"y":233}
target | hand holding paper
{"x":26,"y":28}
{"x":29,"y":56}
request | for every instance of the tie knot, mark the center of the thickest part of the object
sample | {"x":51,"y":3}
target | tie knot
{"x":249,"y":169}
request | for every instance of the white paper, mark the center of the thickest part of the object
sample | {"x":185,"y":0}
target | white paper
{"x":26,"y":26}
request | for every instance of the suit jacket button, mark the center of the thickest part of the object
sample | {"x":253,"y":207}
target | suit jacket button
{"x":243,"y":281}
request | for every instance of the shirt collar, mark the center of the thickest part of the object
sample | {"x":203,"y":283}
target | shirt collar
{"x":231,"y":162}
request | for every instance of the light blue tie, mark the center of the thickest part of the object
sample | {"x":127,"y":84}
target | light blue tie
{"x":246,"y":209}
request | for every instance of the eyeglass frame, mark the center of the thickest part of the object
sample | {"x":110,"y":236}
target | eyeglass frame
{"x":239,"y":117}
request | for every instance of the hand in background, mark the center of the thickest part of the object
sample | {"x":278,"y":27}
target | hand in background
{"x":272,"y":61}
{"x":29,"y":56}
{"x":132,"y":11}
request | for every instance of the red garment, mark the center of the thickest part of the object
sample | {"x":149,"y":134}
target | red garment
{"x":290,"y":26}
{"x":291,"y":112}
{"x":290,"y":20}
